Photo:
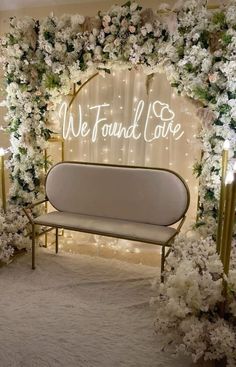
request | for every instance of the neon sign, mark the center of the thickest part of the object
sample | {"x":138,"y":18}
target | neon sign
{"x":157,"y":123}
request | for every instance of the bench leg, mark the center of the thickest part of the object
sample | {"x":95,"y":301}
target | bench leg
{"x":162,"y":263}
{"x":33,"y":246}
{"x":56,"y":240}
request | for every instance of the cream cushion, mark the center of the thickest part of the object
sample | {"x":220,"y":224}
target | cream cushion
{"x":140,"y":195}
{"x":108,"y":226}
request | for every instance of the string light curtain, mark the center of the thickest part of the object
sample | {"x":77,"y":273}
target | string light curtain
{"x":165,"y":134}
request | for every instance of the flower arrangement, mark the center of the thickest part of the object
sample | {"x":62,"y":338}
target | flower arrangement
{"x":12,"y":233}
{"x":189,"y":311}
{"x":195,"y":47}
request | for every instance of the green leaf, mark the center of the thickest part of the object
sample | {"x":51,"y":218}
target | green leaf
{"x":22,"y":151}
{"x":224,"y":108}
{"x":189,"y":67}
{"x":226,"y":39}
{"x":50,"y":37}
{"x":69,"y":47}
{"x":209,"y":195}
{"x":197,"y":169}
{"x":52,"y":81}
{"x":204,"y":38}
{"x":219,"y":18}
{"x":127,"y":4}
{"x":175,"y":85}
{"x":180,"y":51}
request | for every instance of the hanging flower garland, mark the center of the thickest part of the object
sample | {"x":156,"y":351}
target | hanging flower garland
{"x":196,"y":50}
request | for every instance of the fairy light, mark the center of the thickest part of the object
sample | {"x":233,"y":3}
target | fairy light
{"x":229,"y":178}
{"x":226,"y":145}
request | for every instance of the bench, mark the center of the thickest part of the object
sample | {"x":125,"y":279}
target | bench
{"x":133,"y":203}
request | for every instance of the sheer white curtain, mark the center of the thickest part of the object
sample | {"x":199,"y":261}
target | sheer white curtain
{"x":174,"y":147}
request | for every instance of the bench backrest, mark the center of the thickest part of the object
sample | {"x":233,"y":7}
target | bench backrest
{"x":147,"y":195}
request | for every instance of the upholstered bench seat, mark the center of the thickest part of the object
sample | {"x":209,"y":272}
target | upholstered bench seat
{"x":107,"y":226}
{"x":134,"y":203}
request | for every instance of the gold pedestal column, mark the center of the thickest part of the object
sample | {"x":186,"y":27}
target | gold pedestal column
{"x":221,"y":209}
{"x":3,"y":183}
{"x":53,"y":139}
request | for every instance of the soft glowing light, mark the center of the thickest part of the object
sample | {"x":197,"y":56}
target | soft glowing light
{"x":2,"y":152}
{"x":162,"y":126}
{"x":229,"y":178}
{"x":226,"y":145}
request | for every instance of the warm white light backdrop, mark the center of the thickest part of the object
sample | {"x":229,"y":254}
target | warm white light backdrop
{"x":122,"y":91}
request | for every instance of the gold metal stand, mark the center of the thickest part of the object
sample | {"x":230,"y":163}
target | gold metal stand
{"x":3,"y":184}
{"x":221,"y":208}
{"x":229,"y":222}
{"x":53,"y":139}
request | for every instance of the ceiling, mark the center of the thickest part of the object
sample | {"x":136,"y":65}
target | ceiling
{"x":19,"y":4}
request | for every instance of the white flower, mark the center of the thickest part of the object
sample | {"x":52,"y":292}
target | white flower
{"x":107,"y":19}
{"x":77,"y":19}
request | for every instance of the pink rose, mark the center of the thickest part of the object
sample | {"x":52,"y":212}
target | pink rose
{"x":132,"y":29}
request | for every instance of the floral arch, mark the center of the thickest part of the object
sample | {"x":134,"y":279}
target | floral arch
{"x":195,"y":47}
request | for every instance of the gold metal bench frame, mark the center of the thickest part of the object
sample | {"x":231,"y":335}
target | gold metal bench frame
{"x":164,"y":255}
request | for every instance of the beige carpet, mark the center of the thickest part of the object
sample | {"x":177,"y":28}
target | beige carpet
{"x":78,"y":311}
